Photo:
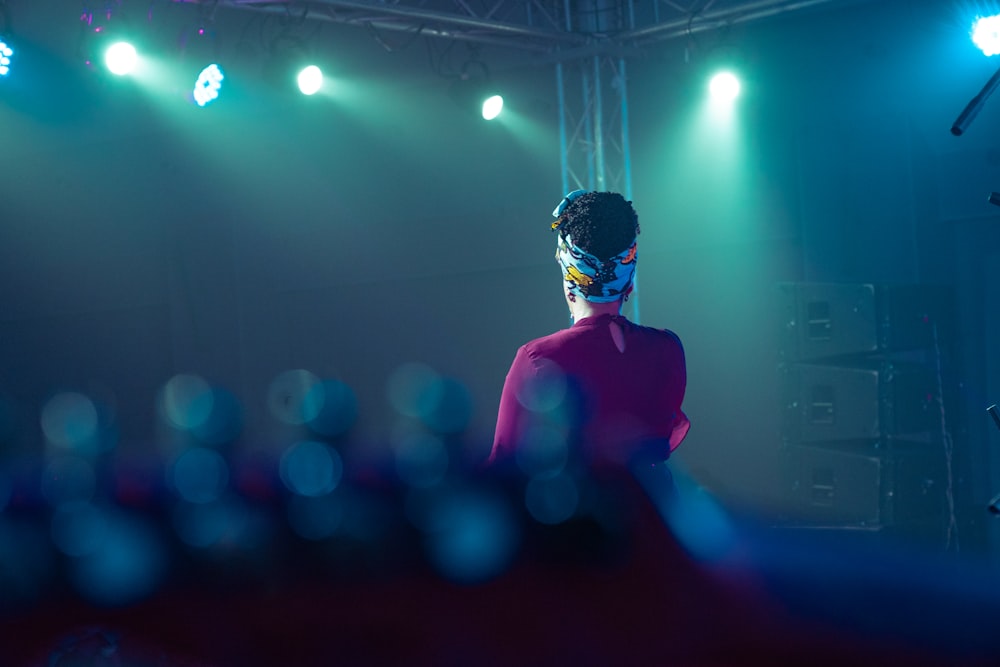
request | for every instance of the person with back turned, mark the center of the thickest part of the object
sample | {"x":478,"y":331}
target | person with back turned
{"x":606,"y":390}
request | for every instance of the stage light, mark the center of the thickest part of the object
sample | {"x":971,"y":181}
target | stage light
{"x":724,"y":86}
{"x":6,"y":53}
{"x":208,"y":85}
{"x":310,"y":80}
{"x":986,"y":34}
{"x":474,"y":90}
{"x":202,"y":74}
{"x":492,"y":107}
{"x":106,"y":38}
{"x":290,"y":66}
{"x":120,"y":58}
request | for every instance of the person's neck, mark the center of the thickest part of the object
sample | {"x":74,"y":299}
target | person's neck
{"x":582,"y":308}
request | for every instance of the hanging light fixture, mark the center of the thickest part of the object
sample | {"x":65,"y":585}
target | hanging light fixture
{"x":106,"y":40}
{"x":6,"y":50}
{"x":203,"y":75}
{"x":475,"y":91}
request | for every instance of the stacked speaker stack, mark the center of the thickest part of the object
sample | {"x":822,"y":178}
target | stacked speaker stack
{"x":864,"y":435}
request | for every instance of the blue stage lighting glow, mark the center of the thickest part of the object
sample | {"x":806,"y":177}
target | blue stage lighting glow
{"x":69,"y":421}
{"x":78,"y":529}
{"x":544,"y":451}
{"x":330,"y":408}
{"x":986,"y":34}
{"x":453,"y":410}
{"x":209,"y":83}
{"x":552,"y":500}
{"x":186,"y":402}
{"x":291,"y":399}
{"x":200,"y":475}
{"x":6,"y":53}
{"x":311,"y":468}
{"x":421,"y":460}
{"x":414,"y":389}
{"x":477,"y":537}
{"x":546,"y":391}
{"x":206,"y":525}
{"x":225,"y":421}
{"x":128,"y":566}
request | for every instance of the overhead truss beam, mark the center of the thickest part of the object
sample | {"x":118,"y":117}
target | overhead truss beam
{"x":538,"y":26}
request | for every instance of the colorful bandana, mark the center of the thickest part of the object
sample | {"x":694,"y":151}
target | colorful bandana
{"x":593,"y":279}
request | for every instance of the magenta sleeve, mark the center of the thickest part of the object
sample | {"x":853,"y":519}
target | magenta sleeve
{"x":510,"y":416}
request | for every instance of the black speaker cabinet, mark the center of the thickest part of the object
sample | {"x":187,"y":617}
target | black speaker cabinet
{"x":873,"y":487}
{"x":880,"y":398}
{"x":827,"y":320}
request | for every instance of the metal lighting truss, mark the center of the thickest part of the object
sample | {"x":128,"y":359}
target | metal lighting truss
{"x":588,"y":41}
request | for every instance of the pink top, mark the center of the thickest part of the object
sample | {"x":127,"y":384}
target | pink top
{"x":609,"y":401}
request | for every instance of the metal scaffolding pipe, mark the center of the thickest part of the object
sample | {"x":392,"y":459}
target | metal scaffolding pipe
{"x":716,"y":19}
{"x":321,"y":9}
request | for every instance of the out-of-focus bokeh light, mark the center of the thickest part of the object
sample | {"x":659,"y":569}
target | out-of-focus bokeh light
{"x":475,"y":536}
{"x":310,"y":80}
{"x":315,"y":518}
{"x":129,"y":564}
{"x":552,"y":500}
{"x":492,"y":106}
{"x":453,"y":410}
{"x":544,"y":451}
{"x":330,"y":408}
{"x":290,"y":398}
{"x":414,"y":389}
{"x":206,"y":525}
{"x":70,"y":422}
{"x":186,"y":402}
{"x":699,"y":523}
{"x":68,"y":479}
{"x":224,"y":422}
{"x":121,"y":58}
{"x":199,"y":475}
{"x":78,"y":528}
{"x":311,"y":468}
{"x":986,"y":34}
{"x":441,"y":403}
{"x":547,"y":390}
{"x":208,"y":85}
{"x":421,"y":459}
{"x":725,"y":86}
{"x":6,"y":53}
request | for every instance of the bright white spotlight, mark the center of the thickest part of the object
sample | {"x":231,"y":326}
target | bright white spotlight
{"x":5,"y":55}
{"x":310,"y":80}
{"x":725,"y":86}
{"x":208,"y":85}
{"x":492,"y":107}
{"x":986,"y":34}
{"x":120,"y":58}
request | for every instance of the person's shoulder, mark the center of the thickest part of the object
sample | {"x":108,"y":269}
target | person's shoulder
{"x":545,"y":345}
{"x":654,"y":332}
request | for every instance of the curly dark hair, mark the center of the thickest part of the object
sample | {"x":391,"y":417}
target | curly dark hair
{"x":601,"y":223}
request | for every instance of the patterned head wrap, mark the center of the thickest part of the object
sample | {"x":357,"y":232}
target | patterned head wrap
{"x":593,"y":279}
